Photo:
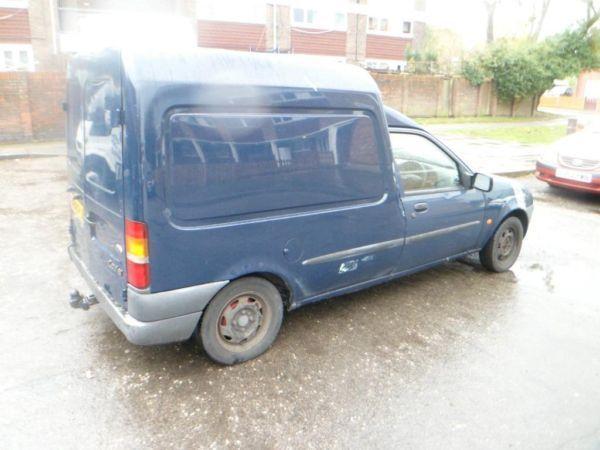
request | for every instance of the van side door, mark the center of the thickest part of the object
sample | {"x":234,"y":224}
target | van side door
{"x":443,"y":216}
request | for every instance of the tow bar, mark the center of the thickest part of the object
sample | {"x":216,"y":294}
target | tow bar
{"x":76,"y":300}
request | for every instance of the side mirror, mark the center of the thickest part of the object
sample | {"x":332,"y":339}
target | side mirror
{"x":483,"y":182}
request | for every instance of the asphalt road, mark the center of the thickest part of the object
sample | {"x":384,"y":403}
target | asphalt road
{"x":454,"y":357}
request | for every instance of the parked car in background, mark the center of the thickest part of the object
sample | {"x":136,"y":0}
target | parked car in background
{"x":573,"y":162}
{"x":216,"y":190}
{"x":559,"y":90}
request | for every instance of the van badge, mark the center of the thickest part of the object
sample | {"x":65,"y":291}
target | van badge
{"x":348,"y":266}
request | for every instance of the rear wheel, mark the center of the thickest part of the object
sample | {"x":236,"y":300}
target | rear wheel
{"x":503,"y":248}
{"x":242,"y":321}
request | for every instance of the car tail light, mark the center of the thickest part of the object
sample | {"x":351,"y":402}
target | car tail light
{"x":136,"y":244}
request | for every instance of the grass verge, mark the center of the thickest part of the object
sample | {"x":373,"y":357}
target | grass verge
{"x":483,"y":119}
{"x":541,"y":134}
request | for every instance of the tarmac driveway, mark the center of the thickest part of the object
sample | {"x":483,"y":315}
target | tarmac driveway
{"x":454,"y":357}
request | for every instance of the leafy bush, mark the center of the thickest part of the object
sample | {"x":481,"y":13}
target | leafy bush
{"x":524,"y":68}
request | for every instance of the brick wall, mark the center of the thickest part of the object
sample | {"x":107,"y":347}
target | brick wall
{"x":318,"y":42}
{"x":14,"y":27}
{"x":31,"y":106}
{"x":31,"y":103}
{"x":386,"y":47}
{"x":231,"y":35}
{"x":435,"y":96}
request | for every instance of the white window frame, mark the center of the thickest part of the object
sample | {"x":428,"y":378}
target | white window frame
{"x":15,"y":50}
{"x":305,"y":10}
{"x":394,"y":27}
{"x":325,"y":15}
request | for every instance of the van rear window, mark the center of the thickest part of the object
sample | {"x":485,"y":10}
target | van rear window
{"x":222,"y":166}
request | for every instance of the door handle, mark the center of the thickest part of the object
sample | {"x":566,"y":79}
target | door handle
{"x":421,"y":207}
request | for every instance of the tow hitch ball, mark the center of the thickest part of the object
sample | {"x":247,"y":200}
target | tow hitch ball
{"x":76,"y":300}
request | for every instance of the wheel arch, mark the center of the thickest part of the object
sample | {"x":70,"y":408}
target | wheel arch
{"x":520,"y":214}
{"x":283,"y":286}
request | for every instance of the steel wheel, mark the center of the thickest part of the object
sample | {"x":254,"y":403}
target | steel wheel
{"x":503,"y":248}
{"x":506,"y":244}
{"x":241,"y":321}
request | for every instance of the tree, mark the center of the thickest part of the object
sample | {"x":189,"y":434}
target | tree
{"x":592,"y":13}
{"x":536,"y":20}
{"x":522,"y":68}
{"x":490,"y":6}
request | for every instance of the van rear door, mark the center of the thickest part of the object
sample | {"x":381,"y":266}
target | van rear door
{"x":98,"y":222}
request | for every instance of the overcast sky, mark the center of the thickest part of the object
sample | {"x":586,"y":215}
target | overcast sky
{"x":468,"y":17}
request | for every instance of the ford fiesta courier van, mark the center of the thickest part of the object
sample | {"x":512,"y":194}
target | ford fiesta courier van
{"x":212,"y":191}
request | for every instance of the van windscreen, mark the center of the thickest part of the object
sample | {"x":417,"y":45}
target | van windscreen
{"x":231,"y":165}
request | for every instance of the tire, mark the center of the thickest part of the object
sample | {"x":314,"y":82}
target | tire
{"x":498,"y":255}
{"x":241,"y":321}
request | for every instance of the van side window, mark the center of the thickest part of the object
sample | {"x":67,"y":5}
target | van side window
{"x":228,"y":165}
{"x":421,"y":164}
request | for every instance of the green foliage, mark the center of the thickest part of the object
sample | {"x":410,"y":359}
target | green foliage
{"x":420,"y":61}
{"x":474,"y":71}
{"x":524,"y":68}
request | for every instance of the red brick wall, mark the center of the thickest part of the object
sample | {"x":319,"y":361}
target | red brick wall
{"x":435,"y":96}
{"x":46,"y":96}
{"x":231,"y":35}
{"x":31,"y":106}
{"x":31,"y":103}
{"x":315,"y":42}
{"x":386,"y":47}
{"x":14,"y":28}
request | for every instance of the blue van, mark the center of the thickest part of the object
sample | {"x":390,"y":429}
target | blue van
{"x":214,"y":190}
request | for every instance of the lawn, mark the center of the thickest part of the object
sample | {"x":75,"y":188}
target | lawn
{"x":540,"y":134}
{"x":482,"y":119}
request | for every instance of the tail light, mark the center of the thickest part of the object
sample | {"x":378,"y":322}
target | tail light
{"x":136,"y":244}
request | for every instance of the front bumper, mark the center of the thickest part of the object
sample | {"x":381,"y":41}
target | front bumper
{"x":169,"y":328}
{"x":548,"y":174}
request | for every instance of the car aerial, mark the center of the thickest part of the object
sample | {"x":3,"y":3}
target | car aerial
{"x":573,"y":162}
{"x":212,"y":191}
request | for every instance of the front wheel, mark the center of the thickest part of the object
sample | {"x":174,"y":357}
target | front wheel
{"x":242,"y":321}
{"x":503,"y":248}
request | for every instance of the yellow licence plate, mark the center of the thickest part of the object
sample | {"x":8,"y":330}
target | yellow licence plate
{"x":77,"y":208}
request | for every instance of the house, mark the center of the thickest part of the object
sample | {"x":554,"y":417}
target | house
{"x":37,"y":34}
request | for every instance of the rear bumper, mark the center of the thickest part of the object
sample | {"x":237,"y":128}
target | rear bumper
{"x":169,"y":328}
{"x":548,"y":174}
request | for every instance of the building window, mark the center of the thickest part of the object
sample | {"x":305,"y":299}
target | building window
{"x":304,"y":16}
{"x":298,"y":15}
{"x":340,"y":19}
{"x":8,"y":60}
{"x":406,"y":27}
{"x":372,"y":23}
{"x":15,"y":57}
{"x":379,"y":24}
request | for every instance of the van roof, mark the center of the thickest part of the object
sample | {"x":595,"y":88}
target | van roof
{"x":225,"y":67}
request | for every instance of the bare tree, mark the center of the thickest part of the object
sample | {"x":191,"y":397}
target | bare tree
{"x":592,"y":13}
{"x":490,"y":6}
{"x":538,"y":15}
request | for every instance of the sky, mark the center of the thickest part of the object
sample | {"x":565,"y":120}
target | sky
{"x":468,"y":17}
